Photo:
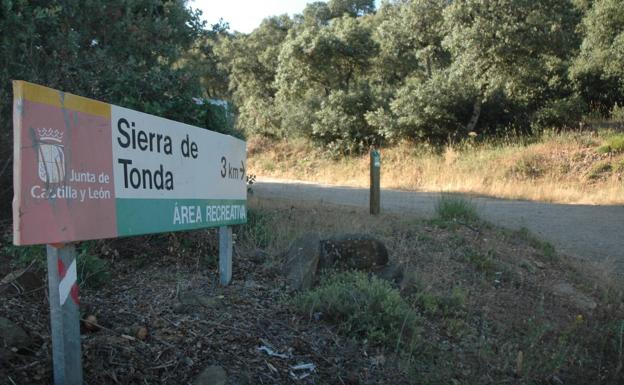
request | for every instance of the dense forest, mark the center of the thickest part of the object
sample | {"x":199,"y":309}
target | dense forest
{"x":347,"y":75}
{"x":342,"y":73}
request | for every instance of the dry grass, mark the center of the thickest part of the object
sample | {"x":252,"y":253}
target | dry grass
{"x":494,"y":306}
{"x":562,"y":168}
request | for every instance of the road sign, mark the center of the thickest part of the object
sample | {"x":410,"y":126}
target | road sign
{"x":84,"y":169}
{"x":88,"y":170}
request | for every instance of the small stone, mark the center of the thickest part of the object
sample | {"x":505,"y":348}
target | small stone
{"x":91,"y":323}
{"x":13,"y":336}
{"x":582,"y":301}
{"x":212,"y":375}
{"x":142,"y":333}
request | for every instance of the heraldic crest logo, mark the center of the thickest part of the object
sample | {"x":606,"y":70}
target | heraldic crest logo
{"x":51,"y":155}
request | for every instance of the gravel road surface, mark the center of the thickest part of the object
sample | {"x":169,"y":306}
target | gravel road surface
{"x":592,"y":232}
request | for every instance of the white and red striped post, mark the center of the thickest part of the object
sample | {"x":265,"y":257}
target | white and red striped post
{"x":64,"y":314}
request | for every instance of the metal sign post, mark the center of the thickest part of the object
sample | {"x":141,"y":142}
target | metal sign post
{"x":375,"y":179}
{"x":64,"y":314}
{"x":225,"y":255}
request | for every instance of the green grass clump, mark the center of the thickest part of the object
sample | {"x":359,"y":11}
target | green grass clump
{"x":258,"y":229}
{"x":92,"y":270}
{"x":363,"y":307}
{"x":544,"y":247}
{"x":599,"y":170}
{"x":529,"y":166}
{"x":614,"y":144}
{"x":453,"y":208}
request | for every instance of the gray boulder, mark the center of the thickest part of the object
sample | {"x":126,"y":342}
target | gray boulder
{"x":302,"y":260}
{"x":353,"y":251}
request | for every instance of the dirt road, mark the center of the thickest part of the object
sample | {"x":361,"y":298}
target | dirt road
{"x":593,"y":232}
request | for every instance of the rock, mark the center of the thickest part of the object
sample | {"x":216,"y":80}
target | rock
{"x":189,"y":301}
{"x":212,"y":375}
{"x":580,"y":300}
{"x":141,"y":333}
{"x":259,"y":256}
{"x":91,"y":323}
{"x":302,"y":260}
{"x":353,"y":251}
{"x":12,"y":336}
{"x":392,"y":273}
{"x":22,"y":280}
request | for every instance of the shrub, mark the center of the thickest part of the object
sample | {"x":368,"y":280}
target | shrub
{"x":600,"y":170}
{"x":544,"y":247}
{"x":432,"y":109}
{"x":614,"y":144}
{"x":364,"y":307}
{"x":92,"y":270}
{"x":257,"y":230}
{"x":529,"y":166}
{"x":340,"y":122}
{"x":617,"y":113}
{"x":451,"y":208}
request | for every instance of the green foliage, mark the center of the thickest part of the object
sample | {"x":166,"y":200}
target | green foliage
{"x":598,"y":70}
{"x":613,"y":144}
{"x":319,"y":95}
{"x":544,"y":247}
{"x":23,"y":256}
{"x":92,"y":270}
{"x":128,"y":52}
{"x":559,"y":113}
{"x":453,"y":208}
{"x":363,"y":307}
{"x":529,"y":166}
{"x":436,"y":305}
{"x":257,"y":231}
{"x":600,"y":170}
{"x":433,"y":109}
{"x":251,"y":62}
{"x":340,"y":121}
{"x":351,"y":7}
{"x":617,"y":113}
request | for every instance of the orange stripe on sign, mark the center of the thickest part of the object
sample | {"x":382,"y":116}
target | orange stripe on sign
{"x":41,"y":94}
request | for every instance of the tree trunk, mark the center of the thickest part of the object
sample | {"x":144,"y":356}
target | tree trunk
{"x":476,"y":112}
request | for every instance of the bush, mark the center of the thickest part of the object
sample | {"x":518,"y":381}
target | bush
{"x":340,"y":122}
{"x":614,"y":144}
{"x":257,"y":231}
{"x":452,"y":208}
{"x":529,"y":166}
{"x":559,"y":113}
{"x":363,"y":307}
{"x":432,"y":109}
{"x":92,"y":270}
{"x":617,"y":113}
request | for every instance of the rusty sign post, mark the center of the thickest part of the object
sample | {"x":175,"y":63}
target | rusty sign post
{"x":375,"y":181}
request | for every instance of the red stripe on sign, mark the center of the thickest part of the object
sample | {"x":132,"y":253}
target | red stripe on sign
{"x":74,"y":294}
{"x":74,"y":289}
{"x":61,"y":269}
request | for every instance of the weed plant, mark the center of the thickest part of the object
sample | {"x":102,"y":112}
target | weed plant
{"x":363,"y":306}
{"x":450,"y":207}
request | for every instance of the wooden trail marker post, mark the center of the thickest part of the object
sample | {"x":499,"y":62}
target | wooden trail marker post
{"x":375,"y":182}
{"x":85,"y":169}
